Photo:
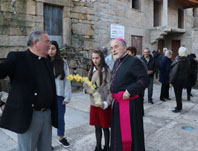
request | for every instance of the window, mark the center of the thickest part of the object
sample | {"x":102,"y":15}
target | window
{"x":180,"y":18}
{"x":136,"y":4}
{"x":156,"y":13}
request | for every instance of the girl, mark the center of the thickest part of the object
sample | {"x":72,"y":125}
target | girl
{"x":63,"y":88}
{"x":100,"y":117}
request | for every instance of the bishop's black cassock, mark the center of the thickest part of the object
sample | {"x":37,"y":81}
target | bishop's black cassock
{"x":127,"y":128}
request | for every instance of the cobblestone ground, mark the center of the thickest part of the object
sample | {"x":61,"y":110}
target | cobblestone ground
{"x":164,"y":130}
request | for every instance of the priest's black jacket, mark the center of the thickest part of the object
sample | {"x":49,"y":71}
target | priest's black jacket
{"x":17,"y":114}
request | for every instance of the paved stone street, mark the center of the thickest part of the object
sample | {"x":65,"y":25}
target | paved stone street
{"x":163,"y":128}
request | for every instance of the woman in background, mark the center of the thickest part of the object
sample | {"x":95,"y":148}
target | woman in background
{"x":63,"y":88}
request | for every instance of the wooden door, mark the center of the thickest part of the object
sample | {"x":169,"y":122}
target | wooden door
{"x":175,"y":46}
{"x":136,"y":41}
{"x":53,"y":22}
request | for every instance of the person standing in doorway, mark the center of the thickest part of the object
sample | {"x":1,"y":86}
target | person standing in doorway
{"x":63,"y":88}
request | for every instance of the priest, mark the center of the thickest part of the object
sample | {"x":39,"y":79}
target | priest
{"x":129,"y":79}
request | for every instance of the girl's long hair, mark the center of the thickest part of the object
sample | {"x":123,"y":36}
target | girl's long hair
{"x":58,"y":62}
{"x":101,"y":66}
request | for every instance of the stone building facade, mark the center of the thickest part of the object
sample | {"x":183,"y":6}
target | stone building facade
{"x":87,"y":24}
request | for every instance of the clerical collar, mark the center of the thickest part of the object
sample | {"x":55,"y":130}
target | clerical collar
{"x":123,"y":57}
{"x":35,"y":56}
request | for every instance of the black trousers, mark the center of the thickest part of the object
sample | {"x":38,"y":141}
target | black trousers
{"x":189,"y":91}
{"x":178,"y":87}
{"x":164,"y":91}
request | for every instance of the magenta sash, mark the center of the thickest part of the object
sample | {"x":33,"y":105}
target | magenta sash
{"x":125,"y":122}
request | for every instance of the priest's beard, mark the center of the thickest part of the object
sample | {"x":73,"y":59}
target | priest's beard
{"x":116,"y":57}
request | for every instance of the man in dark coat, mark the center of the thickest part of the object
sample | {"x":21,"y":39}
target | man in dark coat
{"x":164,"y":75}
{"x":192,"y":77}
{"x":149,"y":61}
{"x":180,"y":68}
{"x":31,"y":107}
{"x":157,"y":55}
{"x":129,"y":80}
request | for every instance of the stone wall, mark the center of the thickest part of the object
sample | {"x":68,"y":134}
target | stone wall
{"x":82,"y":20}
{"x":173,"y":7}
{"x":19,"y":17}
{"x":136,"y":22}
{"x":13,"y":25}
{"x":86,"y":23}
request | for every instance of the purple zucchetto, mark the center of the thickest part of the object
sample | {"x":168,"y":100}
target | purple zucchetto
{"x":120,"y":39}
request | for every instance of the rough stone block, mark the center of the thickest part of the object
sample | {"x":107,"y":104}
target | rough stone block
{"x":39,"y":9}
{"x":6,"y":49}
{"x":84,"y":53}
{"x":31,"y":8}
{"x":6,"y":6}
{"x":88,"y":45}
{"x":57,"y":2}
{"x":13,"y":40}
{"x":82,"y":72}
{"x":91,"y":17}
{"x":83,"y":29}
{"x":66,"y":14}
{"x":79,"y":16}
{"x":80,"y":9}
{"x":67,"y":31}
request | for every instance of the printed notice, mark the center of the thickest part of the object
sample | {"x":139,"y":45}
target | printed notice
{"x":117,"y":31}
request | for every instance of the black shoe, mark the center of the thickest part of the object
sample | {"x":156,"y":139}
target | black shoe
{"x":1,"y":103}
{"x":188,"y":97}
{"x":176,"y":110}
{"x":191,"y":95}
{"x":106,"y":148}
{"x":150,"y":102}
{"x":98,"y":149}
{"x":163,"y":100}
{"x":64,"y":142}
{"x":168,"y":98}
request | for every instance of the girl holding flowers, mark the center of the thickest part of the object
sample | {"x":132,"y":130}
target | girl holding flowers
{"x":100,"y":116}
{"x":63,"y":88}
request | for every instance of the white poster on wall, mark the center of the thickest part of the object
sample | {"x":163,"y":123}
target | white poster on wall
{"x":117,"y":31}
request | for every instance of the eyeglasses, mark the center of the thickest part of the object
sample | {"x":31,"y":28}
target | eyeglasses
{"x":47,"y":41}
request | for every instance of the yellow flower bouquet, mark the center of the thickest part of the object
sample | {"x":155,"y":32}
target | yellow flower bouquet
{"x":88,"y":86}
